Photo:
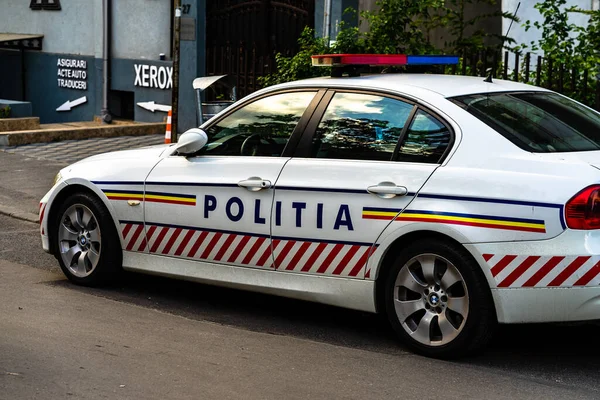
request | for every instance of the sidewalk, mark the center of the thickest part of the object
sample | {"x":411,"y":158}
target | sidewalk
{"x":70,"y":151}
{"x":30,"y":131}
{"x":27,"y":172}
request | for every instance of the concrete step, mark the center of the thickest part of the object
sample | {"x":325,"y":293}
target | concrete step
{"x":79,"y":130}
{"x":19,"y":124}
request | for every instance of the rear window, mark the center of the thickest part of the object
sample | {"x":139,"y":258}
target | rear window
{"x":539,"y":122}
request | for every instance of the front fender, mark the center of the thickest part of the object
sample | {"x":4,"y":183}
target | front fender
{"x":53,"y":198}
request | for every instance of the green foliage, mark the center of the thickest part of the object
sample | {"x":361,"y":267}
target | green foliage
{"x":572,"y":48}
{"x":403,"y":26}
{"x":394,"y":28}
{"x":349,"y":39}
{"x":397,"y":26}
{"x":299,"y":66}
{"x":467,"y":37}
{"x":587,"y":55}
{"x":5,"y":112}
{"x":557,"y":42}
{"x":587,"y":49}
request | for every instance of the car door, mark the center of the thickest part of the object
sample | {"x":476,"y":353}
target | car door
{"x":360,"y":163}
{"x":215,"y":206}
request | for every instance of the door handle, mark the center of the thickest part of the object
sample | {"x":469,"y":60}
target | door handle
{"x":254,"y":184}
{"x":387,"y":190}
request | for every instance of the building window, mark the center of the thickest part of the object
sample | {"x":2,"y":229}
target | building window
{"x":45,"y":5}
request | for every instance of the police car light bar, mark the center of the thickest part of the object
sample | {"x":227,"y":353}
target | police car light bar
{"x":335,"y":60}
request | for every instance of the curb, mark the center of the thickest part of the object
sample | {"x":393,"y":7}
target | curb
{"x":17,"y":214}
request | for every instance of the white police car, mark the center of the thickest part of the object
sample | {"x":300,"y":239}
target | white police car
{"x":446,"y":202}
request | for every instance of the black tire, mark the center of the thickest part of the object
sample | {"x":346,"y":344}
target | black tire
{"x":103,"y":258}
{"x":472,"y":329}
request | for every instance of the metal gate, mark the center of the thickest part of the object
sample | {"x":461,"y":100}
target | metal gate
{"x":243,"y":36}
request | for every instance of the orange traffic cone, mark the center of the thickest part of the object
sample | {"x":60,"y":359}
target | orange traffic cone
{"x":168,"y":132}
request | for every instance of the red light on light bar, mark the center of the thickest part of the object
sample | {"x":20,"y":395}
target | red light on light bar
{"x":332,"y":60}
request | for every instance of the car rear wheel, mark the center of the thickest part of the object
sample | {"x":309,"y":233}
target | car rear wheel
{"x":438,"y":301}
{"x":86,"y":241}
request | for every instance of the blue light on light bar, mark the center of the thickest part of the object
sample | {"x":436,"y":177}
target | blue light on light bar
{"x":432,"y":60}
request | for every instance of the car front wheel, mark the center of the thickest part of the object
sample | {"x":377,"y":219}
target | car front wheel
{"x":438,"y":301}
{"x":86,"y":241}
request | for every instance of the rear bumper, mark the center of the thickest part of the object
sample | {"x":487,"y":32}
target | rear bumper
{"x":547,"y":304}
{"x":555,"y":280}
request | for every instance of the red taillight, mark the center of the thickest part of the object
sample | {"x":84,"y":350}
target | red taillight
{"x":583,"y":210}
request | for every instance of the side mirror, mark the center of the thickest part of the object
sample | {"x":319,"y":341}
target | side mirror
{"x":191,"y":141}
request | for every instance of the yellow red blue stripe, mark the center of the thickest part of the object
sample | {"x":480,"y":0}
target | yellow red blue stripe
{"x":380,"y":213}
{"x":482,"y":221}
{"x":155,"y":197}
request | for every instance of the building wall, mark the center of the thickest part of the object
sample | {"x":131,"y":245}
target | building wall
{"x":70,"y":31}
{"x":138,"y":40}
{"x":45,"y":96}
{"x":337,"y":16}
{"x":140,"y":30}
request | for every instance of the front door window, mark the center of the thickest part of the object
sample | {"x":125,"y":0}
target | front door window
{"x":261,"y":128}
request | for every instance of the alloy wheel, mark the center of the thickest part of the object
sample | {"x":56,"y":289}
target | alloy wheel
{"x":431,"y":300}
{"x":79,"y":240}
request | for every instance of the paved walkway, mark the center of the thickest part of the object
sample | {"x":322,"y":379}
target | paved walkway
{"x":70,"y":151}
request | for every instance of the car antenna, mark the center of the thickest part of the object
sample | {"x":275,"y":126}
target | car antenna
{"x":488,"y":79}
{"x":489,"y":74}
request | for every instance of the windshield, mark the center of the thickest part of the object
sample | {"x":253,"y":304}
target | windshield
{"x":539,"y":122}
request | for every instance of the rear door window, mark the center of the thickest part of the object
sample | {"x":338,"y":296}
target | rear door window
{"x":359,"y":126}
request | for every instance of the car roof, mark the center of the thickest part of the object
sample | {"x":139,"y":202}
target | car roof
{"x":444,"y":85}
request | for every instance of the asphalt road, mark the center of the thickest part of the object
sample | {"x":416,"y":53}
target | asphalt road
{"x":150,"y":337}
{"x":163,"y":338}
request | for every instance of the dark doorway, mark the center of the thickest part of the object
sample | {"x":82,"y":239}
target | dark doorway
{"x":243,"y":36}
{"x":11,"y":75}
{"x":121,"y":104}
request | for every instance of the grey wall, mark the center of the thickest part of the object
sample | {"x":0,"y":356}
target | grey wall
{"x":141,"y":28}
{"x":73,"y":30}
{"x":337,"y":15}
{"x":191,"y":67}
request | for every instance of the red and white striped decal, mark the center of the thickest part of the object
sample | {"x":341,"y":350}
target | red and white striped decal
{"x":512,"y":271}
{"x":41,"y":215}
{"x":198,"y":244}
{"x":321,"y":257}
{"x":289,"y":255}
